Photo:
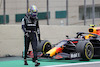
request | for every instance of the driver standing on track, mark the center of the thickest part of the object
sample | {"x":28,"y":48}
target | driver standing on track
{"x":30,"y":27}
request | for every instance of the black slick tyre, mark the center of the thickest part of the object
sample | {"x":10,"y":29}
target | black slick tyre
{"x":44,"y":46}
{"x":86,"y":50}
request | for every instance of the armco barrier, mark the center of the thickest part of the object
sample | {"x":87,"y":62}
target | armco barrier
{"x":12,"y":38}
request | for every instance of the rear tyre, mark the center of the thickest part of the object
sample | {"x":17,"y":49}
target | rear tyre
{"x":86,"y":50}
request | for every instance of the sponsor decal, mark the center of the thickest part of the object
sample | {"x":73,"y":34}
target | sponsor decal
{"x":31,"y":25}
{"x":75,"y":55}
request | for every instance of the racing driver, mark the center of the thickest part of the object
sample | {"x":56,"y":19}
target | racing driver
{"x":30,"y":27}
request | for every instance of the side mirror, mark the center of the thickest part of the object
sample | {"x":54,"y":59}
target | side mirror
{"x":67,"y":36}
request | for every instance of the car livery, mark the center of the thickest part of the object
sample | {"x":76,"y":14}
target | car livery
{"x":84,"y":46}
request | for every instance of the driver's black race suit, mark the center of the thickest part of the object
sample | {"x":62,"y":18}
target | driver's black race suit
{"x":30,"y":27}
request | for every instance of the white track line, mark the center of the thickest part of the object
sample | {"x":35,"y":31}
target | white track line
{"x":72,"y":64}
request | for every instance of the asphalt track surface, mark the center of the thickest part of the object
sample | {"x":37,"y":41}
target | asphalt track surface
{"x":18,"y":62}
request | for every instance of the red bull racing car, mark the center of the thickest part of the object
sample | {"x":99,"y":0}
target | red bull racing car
{"x":84,"y":46}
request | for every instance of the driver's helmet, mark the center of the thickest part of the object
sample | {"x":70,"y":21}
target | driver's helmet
{"x":32,"y":11}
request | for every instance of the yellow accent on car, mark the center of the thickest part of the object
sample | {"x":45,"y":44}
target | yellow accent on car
{"x":88,"y":36}
{"x":52,"y":52}
{"x":94,"y":30}
{"x":92,"y":25}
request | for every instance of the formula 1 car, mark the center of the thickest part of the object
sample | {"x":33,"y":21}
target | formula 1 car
{"x":84,"y":46}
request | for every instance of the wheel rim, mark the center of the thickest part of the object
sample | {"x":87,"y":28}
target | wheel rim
{"x":47,"y":47}
{"x":89,"y":51}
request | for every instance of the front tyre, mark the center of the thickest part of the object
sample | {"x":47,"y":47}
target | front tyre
{"x":44,"y":46}
{"x":86,"y":50}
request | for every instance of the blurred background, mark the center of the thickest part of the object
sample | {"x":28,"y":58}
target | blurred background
{"x":52,"y":12}
{"x":57,"y":18}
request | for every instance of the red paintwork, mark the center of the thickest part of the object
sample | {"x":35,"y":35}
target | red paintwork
{"x":98,"y":30}
{"x":59,"y":50}
{"x":58,"y":57}
{"x":75,"y":42}
{"x":30,"y":54}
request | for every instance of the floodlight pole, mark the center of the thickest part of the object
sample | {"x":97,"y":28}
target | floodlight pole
{"x":93,"y":11}
{"x":66,"y":12}
{"x":27,"y":5}
{"x":84,"y":12}
{"x":4,"y":12}
{"x":47,"y":12}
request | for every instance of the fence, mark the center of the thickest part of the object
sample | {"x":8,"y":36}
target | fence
{"x":52,"y":12}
